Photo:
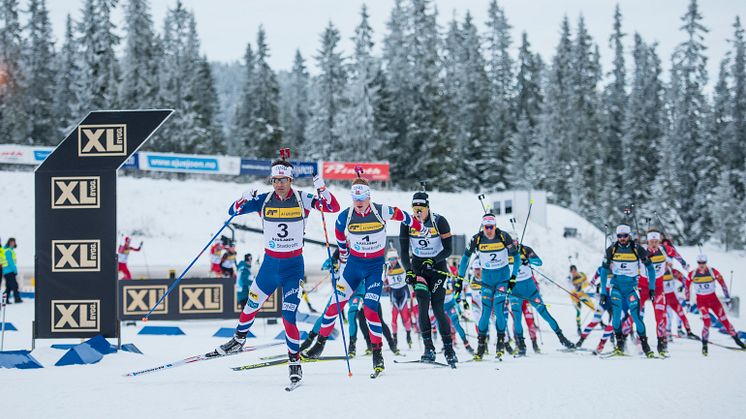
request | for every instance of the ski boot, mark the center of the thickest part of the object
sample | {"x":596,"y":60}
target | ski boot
{"x":645,"y":347}
{"x":662,"y":347}
{"x":619,"y":348}
{"x":704,"y":347}
{"x":535,"y":345}
{"x":481,"y":347}
{"x":295,"y":370}
{"x":316,"y":349}
{"x":450,"y":354}
{"x":509,"y":348}
{"x":309,"y":340}
{"x":739,"y":342}
{"x":680,"y":333}
{"x":429,"y":355}
{"x":563,"y":340}
{"x":232,"y":346}
{"x":500,"y":346}
{"x":368,"y":351}
{"x":377,"y":359}
{"x":468,"y":347}
{"x":690,"y":335}
{"x":520,"y":349}
{"x":409,"y":339}
{"x":580,"y":332}
{"x":351,"y":349}
{"x":579,"y":343}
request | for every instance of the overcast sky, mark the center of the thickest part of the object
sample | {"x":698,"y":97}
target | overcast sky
{"x":225,"y":26}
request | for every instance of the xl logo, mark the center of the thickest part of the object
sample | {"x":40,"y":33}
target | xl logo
{"x":76,"y":316}
{"x":76,"y":255}
{"x":102,"y":140}
{"x":76,"y":192}
{"x":201,"y":298}
{"x":139,"y":299}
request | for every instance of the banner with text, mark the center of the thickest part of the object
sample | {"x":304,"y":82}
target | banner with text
{"x":185,"y":163}
{"x":335,"y":170}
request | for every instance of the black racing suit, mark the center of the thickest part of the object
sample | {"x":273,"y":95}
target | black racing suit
{"x":433,"y":292}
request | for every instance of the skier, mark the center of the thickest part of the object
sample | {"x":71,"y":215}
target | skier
{"x":228,"y":261}
{"x":427,"y":272}
{"x":493,"y":248}
{"x":522,"y":288}
{"x":623,"y":259}
{"x":579,"y":282}
{"x":704,"y":279}
{"x":244,"y":280}
{"x":361,"y":236}
{"x":10,"y":270}
{"x":283,"y":212}
{"x":216,"y":251}
{"x":395,"y":280}
{"x":672,"y":300}
{"x":123,"y":255}
{"x":660,"y":260}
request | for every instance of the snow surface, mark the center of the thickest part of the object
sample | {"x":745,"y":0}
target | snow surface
{"x":175,"y":218}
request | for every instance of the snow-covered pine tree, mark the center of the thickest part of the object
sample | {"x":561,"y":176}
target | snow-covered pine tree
{"x":726,"y":217}
{"x":14,"y":120}
{"x":39,"y":66}
{"x":207,"y":106}
{"x":735,"y":146}
{"x":139,"y":85}
{"x":355,"y":124}
{"x":687,"y":134}
{"x":396,"y":92}
{"x":264,"y":131}
{"x":240,"y":136}
{"x":327,"y":96}
{"x":502,"y":122}
{"x":67,"y":85}
{"x":99,"y":69}
{"x":294,"y":105}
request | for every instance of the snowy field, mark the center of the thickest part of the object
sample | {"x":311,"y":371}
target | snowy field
{"x":175,"y":218}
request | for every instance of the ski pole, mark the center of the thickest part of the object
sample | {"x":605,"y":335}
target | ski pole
{"x":481,"y":198}
{"x":501,"y":293}
{"x":2,"y":333}
{"x":334,"y":282}
{"x":168,"y":291}
{"x":147,"y":266}
{"x":589,"y":305}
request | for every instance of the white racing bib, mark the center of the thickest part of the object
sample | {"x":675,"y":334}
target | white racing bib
{"x":492,"y":255}
{"x":396,"y":278}
{"x":284,"y":236}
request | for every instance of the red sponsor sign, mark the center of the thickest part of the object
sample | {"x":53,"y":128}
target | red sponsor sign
{"x":335,"y":170}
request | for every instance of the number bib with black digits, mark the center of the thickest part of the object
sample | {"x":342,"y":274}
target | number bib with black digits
{"x":492,"y":255}
{"x":286,"y":236}
{"x":703,"y":283}
{"x":425,"y":247}
{"x":396,"y":277}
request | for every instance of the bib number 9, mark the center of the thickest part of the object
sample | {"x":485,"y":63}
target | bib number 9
{"x":423,"y":243}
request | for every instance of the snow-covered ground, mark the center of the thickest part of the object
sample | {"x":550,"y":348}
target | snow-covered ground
{"x":175,"y":218}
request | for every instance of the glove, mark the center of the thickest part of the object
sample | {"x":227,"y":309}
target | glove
{"x":604,"y":300}
{"x":318,"y":183}
{"x":457,"y":287}
{"x":466,"y":305}
{"x":342,"y":257}
{"x":427,"y":265}
{"x":511,"y":283}
{"x":411,"y":277}
{"x":651,"y":294}
{"x":247,"y":196}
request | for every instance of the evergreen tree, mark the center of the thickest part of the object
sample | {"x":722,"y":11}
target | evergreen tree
{"x":265,"y":133}
{"x":323,"y":141}
{"x":14,"y":120}
{"x":727,"y":219}
{"x":39,"y":66}
{"x":735,"y":146}
{"x":67,"y":85}
{"x":99,"y":69}
{"x":241,"y":135}
{"x":139,"y":85}
{"x":355,"y":125}
{"x":294,"y":105}
{"x":207,"y":106}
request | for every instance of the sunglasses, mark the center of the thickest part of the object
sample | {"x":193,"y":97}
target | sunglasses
{"x":622,"y":236}
{"x":489,"y":227}
{"x":418,"y":207}
{"x":280,"y":180}
{"x":701,"y":263}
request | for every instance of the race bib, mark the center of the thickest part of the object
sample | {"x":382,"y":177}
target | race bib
{"x":283,"y":236}
{"x":368,"y":243}
{"x":630,"y":268}
{"x":425,"y":247}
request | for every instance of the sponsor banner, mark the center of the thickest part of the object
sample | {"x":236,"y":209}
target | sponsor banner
{"x":131,"y":162}
{"x":194,"y":298}
{"x":335,"y":170}
{"x":255,"y":167}
{"x":183,"y":163}
{"x":23,"y":154}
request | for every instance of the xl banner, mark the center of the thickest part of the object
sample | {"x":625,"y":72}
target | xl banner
{"x":76,"y":223}
{"x":254,"y":167}
{"x":193,"y":298}
{"x":338,"y":170}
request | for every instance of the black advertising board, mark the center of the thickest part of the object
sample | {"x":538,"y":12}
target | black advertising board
{"x":76,"y":223}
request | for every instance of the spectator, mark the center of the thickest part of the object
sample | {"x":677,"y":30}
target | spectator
{"x":228,"y":261}
{"x":215,"y":251}
{"x":123,"y":254}
{"x":244,"y":280}
{"x":10,"y":270}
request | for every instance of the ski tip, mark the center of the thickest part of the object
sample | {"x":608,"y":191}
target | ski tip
{"x":349,"y":374}
{"x":144,"y":319}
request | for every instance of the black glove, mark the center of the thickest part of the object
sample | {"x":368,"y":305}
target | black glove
{"x":458,"y":285}
{"x":651,"y":294}
{"x":427,"y":265}
{"x":466,"y":305}
{"x":511,"y":283}
{"x":411,"y":277}
{"x":604,"y":300}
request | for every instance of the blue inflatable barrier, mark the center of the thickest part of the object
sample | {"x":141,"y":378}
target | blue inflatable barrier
{"x":282,"y":335}
{"x":100,"y":344}
{"x":161,"y":330}
{"x":130,"y":347}
{"x":227,"y":332}
{"x":21,"y":360}
{"x":81,"y":354}
{"x":64,"y":346}
{"x":9,"y":327}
